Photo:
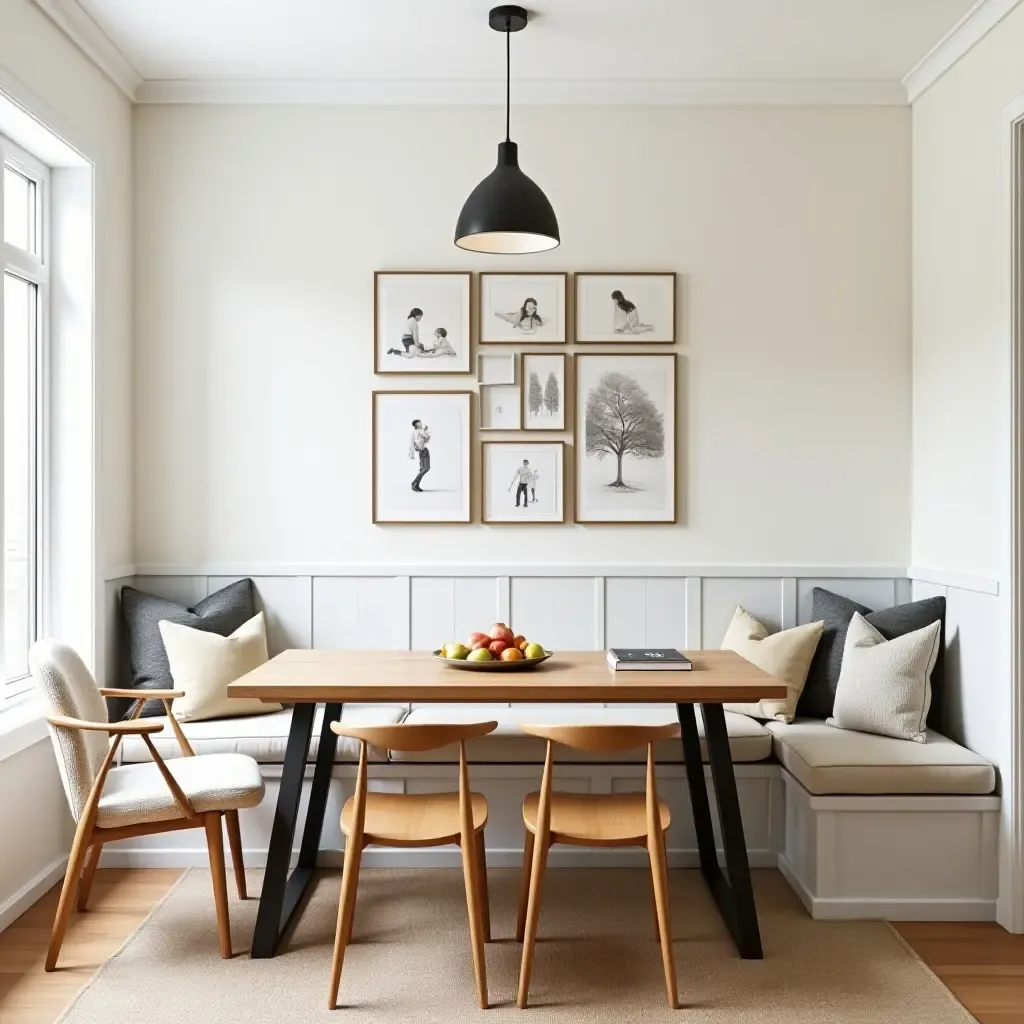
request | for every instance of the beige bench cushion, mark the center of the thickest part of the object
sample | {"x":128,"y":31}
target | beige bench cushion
{"x":262,"y":737}
{"x":748,"y":739}
{"x":825,"y":761}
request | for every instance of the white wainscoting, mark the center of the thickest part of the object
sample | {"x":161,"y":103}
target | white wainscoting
{"x":565,"y":608}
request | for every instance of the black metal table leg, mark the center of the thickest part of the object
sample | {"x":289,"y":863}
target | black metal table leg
{"x":282,"y":892}
{"x":733,"y":894}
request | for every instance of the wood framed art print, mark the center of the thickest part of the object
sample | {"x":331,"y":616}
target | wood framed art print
{"x":525,"y":308}
{"x":523,"y":482}
{"x":624,"y":308}
{"x":421,"y":467}
{"x":421,"y":322}
{"x":625,"y":438}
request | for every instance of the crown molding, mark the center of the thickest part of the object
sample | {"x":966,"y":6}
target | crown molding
{"x":73,"y":20}
{"x":535,"y":92}
{"x":956,"y":43}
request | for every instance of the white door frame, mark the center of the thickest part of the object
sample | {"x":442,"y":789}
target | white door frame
{"x":1011,"y":911}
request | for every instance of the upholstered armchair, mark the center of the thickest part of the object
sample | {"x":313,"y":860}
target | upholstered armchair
{"x":110,"y":802}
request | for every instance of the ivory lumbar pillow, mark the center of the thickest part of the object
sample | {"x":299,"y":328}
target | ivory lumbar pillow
{"x":202,"y":664}
{"x":786,"y":656}
{"x":885,"y":685}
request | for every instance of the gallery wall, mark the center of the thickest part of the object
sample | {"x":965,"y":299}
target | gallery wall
{"x":257,"y":232}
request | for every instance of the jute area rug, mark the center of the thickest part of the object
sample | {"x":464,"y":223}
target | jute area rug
{"x":596,"y":960}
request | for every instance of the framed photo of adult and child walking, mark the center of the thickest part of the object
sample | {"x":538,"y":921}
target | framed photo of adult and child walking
{"x":523,"y":482}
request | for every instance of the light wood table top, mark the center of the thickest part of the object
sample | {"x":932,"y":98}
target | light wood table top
{"x":343,"y":676}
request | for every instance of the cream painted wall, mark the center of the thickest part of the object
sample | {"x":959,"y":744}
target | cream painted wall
{"x":961,"y":379}
{"x":257,"y":231}
{"x":96,"y":118}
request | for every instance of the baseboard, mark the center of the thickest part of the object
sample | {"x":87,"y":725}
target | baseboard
{"x":13,"y":907}
{"x":885,"y":909}
{"x":430,"y":857}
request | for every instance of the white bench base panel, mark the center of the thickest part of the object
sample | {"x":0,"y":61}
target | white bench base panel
{"x":903,"y":858}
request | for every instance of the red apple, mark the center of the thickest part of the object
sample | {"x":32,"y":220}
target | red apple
{"x":477,"y":640}
{"x":496,"y":647}
{"x":499,"y":631}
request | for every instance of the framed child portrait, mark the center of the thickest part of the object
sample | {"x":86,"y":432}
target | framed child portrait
{"x":523,"y":308}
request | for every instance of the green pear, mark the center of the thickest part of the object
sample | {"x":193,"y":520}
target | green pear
{"x":456,"y":651}
{"x":534,"y":651}
{"x":480,"y":654}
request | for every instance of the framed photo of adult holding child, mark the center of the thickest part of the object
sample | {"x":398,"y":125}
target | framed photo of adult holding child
{"x":421,"y":457}
{"x":421,"y":322}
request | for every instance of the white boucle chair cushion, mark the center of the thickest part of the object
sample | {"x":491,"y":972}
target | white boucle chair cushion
{"x":66,"y":687}
{"x":748,"y":739}
{"x":262,"y":737}
{"x":136,"y":794}
{"x":885,"y":685}
{"x":827,"y":761}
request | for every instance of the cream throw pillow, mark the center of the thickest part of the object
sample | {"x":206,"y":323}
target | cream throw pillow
{"x":202,"y":664}
{"x":885,"y":685}
{"x":786,"y":656}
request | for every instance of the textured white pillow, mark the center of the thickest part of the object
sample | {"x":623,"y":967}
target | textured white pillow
{"x":885,"y":685}
{"x":202,"y":664}
{"x":786,"y":656}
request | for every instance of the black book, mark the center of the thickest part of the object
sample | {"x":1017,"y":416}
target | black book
{"x":665,"y":659}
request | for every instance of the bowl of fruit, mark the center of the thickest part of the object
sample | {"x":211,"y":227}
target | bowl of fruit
{"x":497,"y":650}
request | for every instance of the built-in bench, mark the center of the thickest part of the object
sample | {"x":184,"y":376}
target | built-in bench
{"x":861,"y":825}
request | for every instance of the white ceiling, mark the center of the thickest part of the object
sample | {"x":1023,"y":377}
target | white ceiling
{"x":446,"y":40}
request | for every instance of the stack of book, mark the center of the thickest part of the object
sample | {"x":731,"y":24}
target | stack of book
{"x":649,"y":659}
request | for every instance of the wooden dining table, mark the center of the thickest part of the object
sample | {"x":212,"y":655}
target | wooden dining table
{"x":306,"y":678}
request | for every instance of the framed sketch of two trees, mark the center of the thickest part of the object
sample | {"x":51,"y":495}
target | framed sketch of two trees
{"x":625,"y":438}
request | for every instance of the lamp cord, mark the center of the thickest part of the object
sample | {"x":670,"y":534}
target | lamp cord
{"x":508,"y":73}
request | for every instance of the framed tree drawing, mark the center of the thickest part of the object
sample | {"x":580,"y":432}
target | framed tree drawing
{"x":420,"y":457}
{"x":544,"y":394}
{"x":523,"y":482}
{"x":622,"y":308}
{"x":527,"y":307}
{"x":625,"y":438}
{"x":421,"y":322}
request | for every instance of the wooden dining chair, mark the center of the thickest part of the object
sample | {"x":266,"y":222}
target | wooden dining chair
{"x":111,"y":802}
{"x":416,"y":819}
{"x":595,"y":819}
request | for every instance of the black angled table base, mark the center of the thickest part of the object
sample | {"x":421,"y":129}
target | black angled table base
{"x":734,"y":892}
{"x":282,"y":892}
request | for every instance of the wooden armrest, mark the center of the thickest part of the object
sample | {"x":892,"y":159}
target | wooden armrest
{"x":106,"y":691}
{"x":138,"y":726}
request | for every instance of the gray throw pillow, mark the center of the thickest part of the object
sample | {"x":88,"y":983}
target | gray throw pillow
{"x":819,"y":693}
{"x":221,"y":613}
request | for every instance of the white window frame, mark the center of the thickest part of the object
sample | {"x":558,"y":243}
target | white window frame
{"x":34,"y":268}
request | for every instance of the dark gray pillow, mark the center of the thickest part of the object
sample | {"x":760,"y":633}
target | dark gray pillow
{"x":220,"y":613}
{"x":836,"y":612}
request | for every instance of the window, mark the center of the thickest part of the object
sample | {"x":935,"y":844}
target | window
{"x":24,"y":303}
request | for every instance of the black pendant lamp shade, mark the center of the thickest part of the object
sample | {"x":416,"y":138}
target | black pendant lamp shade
{"x":507,"y":212}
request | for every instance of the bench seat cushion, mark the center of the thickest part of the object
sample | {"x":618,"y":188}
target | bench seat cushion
{"x":262,"y":737}
{"x":748,"y":739}
{"x":828,"y":761}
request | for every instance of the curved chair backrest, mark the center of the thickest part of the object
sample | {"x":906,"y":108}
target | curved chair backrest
{"x":414,"y":737}
{"x":602,"y":737}
{"x":66,"y":687}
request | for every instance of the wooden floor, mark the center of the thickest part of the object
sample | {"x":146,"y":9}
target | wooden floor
{"x":981,"y":964}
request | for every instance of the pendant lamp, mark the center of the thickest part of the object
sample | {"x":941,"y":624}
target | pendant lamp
{"x":507,"y":212}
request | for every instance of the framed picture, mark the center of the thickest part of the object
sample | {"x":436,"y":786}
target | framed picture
{"x":625,"y":438}
{"x":499,"y":407}
{"x":544,"y":393}
{"x":421,"y":322}
{"x":523,"y":482}
{"x":420,"y":458}
{"x":523,"y":308}
{"x":496,"y":367}
{"x":625,"y":307}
